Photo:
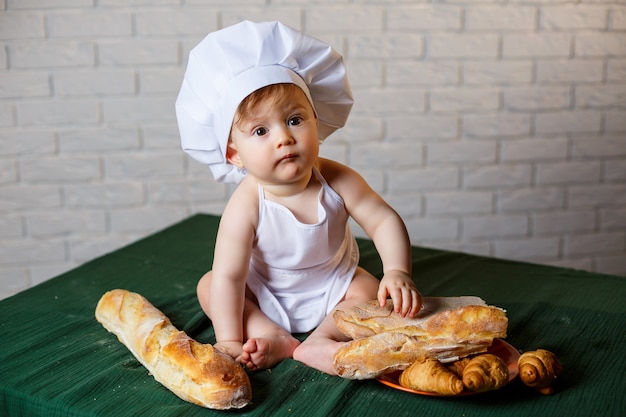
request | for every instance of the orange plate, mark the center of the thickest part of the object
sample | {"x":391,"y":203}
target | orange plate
{"x":499,"y":347}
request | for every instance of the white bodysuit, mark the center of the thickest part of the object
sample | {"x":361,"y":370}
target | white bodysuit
{"x":299,"y":272}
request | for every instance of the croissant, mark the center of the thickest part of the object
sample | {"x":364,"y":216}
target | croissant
{"x":457,"y":366}
{"x":430,"y":375}
{"x":538,"y":369}
{"x":485,"y":373}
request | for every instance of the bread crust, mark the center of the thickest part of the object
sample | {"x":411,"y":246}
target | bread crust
{"x":195,"y":372}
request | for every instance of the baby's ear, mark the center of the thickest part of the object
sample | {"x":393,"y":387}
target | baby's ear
{"x":232,"y":155}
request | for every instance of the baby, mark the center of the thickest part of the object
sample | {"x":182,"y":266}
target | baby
{"x":256,"y":102}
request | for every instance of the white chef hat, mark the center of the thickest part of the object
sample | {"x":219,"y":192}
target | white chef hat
{"x":231,"y":63}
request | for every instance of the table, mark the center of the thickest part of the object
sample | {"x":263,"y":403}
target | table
{"x":57,"y":360}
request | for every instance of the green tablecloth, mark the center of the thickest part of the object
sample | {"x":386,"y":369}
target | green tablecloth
{"x":56,"y":360}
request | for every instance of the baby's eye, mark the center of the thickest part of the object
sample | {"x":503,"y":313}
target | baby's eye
{"x":260,"y":131}
{"x":294,"y":121}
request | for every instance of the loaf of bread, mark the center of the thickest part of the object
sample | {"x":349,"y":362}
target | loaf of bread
{"x":193,"y":371}
{"x":447,"y":328}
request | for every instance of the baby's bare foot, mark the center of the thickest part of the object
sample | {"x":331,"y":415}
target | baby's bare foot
{"x":318,"y":353}
{"x":265,"y":352}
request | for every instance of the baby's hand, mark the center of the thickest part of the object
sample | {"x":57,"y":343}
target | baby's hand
{"x":398,"y":285}
{"x":232,"y":349}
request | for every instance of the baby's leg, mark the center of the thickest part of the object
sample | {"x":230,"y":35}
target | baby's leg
{"x":318,"y":350}
{"x":268,"y":343}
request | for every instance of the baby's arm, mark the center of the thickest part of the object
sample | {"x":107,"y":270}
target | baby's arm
{"x":233,"y":247}
{"x":388,"y":232}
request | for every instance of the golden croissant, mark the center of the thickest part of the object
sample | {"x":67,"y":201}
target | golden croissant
{"x":430,"y":375}
{"x":538,"y":369}
{"x":485,"y":373}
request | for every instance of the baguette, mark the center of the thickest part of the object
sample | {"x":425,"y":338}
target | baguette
{"x":195,"y":372}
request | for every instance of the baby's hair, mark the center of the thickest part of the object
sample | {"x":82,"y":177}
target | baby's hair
{"x":279,"y":93}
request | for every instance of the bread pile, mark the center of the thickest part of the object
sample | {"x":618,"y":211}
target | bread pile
{"x":446,"y":329}
{"x":193,"y":371}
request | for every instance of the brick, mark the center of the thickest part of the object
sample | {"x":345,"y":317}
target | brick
{"x":537,"y":98}
{"x":500,"y":18}
{"x":618,"y":18}
{"x":493,"y":176}
{"x":12,"y":281}
{"x":12,"y":226}
{"x":32,"y":252}
{"x":8,"y":171}
{"x":160,"y":81}
{"x":461,"y":202}
{"x":27,"y":142}
{"x":51,"y":4}
{"x":615,"y":170}
{"x":525,"y":249}
{"x":600,"y":44}
{"x":185,"y":191}
{"x":534,"y":149}
{"x":407,"y":205}
{"x":54,"y":170}
{"x":84,"y":249}
{"x":138,"y":52}
{"x":176,"y":22}
{"x":475,"y":248}
{"x":111,"y":194}
{"x":386,"y":46}
{"x":165,"y":137}
{"x":420,"y":179}
{"x":568,"y":172}
{"x":574,"y":17}
{"x":388,"y":101}
{"x":94,"y":82}
{"x":460,"y":99}
{"x":137,"y":109}
{"x":359,"y":130}
{"x":497,"y":72}
{"x":289,"y":14}
{"x":422,"y":127}
{"x":144,"y":165}
{"x":616,"y":70}
{"x":461,"y":152}
{"x":495,"y":226}
{"x":4,"y":62}
{"x":424,"y":18}
{"x":536,"y":45}
{"x":595,"y":243}
{"x":598,"y":195}
{"x":615,"y":265}
{"x":67,"y":222}
{"x":40,"y":113}
{"x":7,"y":115}
{"x":462,"y":46}
{"x":564,"y":222}
{"x":21,"y":25}
{"x":613,"y":218}
{"x":51,"y":53}
{"x":600,"y":95}
{"x":347,"y":18}
{"x":576,"y":121}
{"x":24,"y":84}
{"x":146,"y":220}
{"x":432,"y":229}
{"x":422,"y":73}
{"x":382,"y":155}
{"x":25,"y":197}
{"x":614,"y":121}
{"x":524,"y":199}
{"x":90,"y":24}
{"x":496,"y":125}
{"x":570,"y":71}
{"x":98,"y":140}
{"x":599,"y":147}
{"x":42,"y":273}
{"x":363,"y":73}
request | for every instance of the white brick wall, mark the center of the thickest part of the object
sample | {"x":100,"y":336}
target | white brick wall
{"x":495,"y":128}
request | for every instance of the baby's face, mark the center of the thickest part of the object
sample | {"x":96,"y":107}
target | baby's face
{"x":276,"y":140}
